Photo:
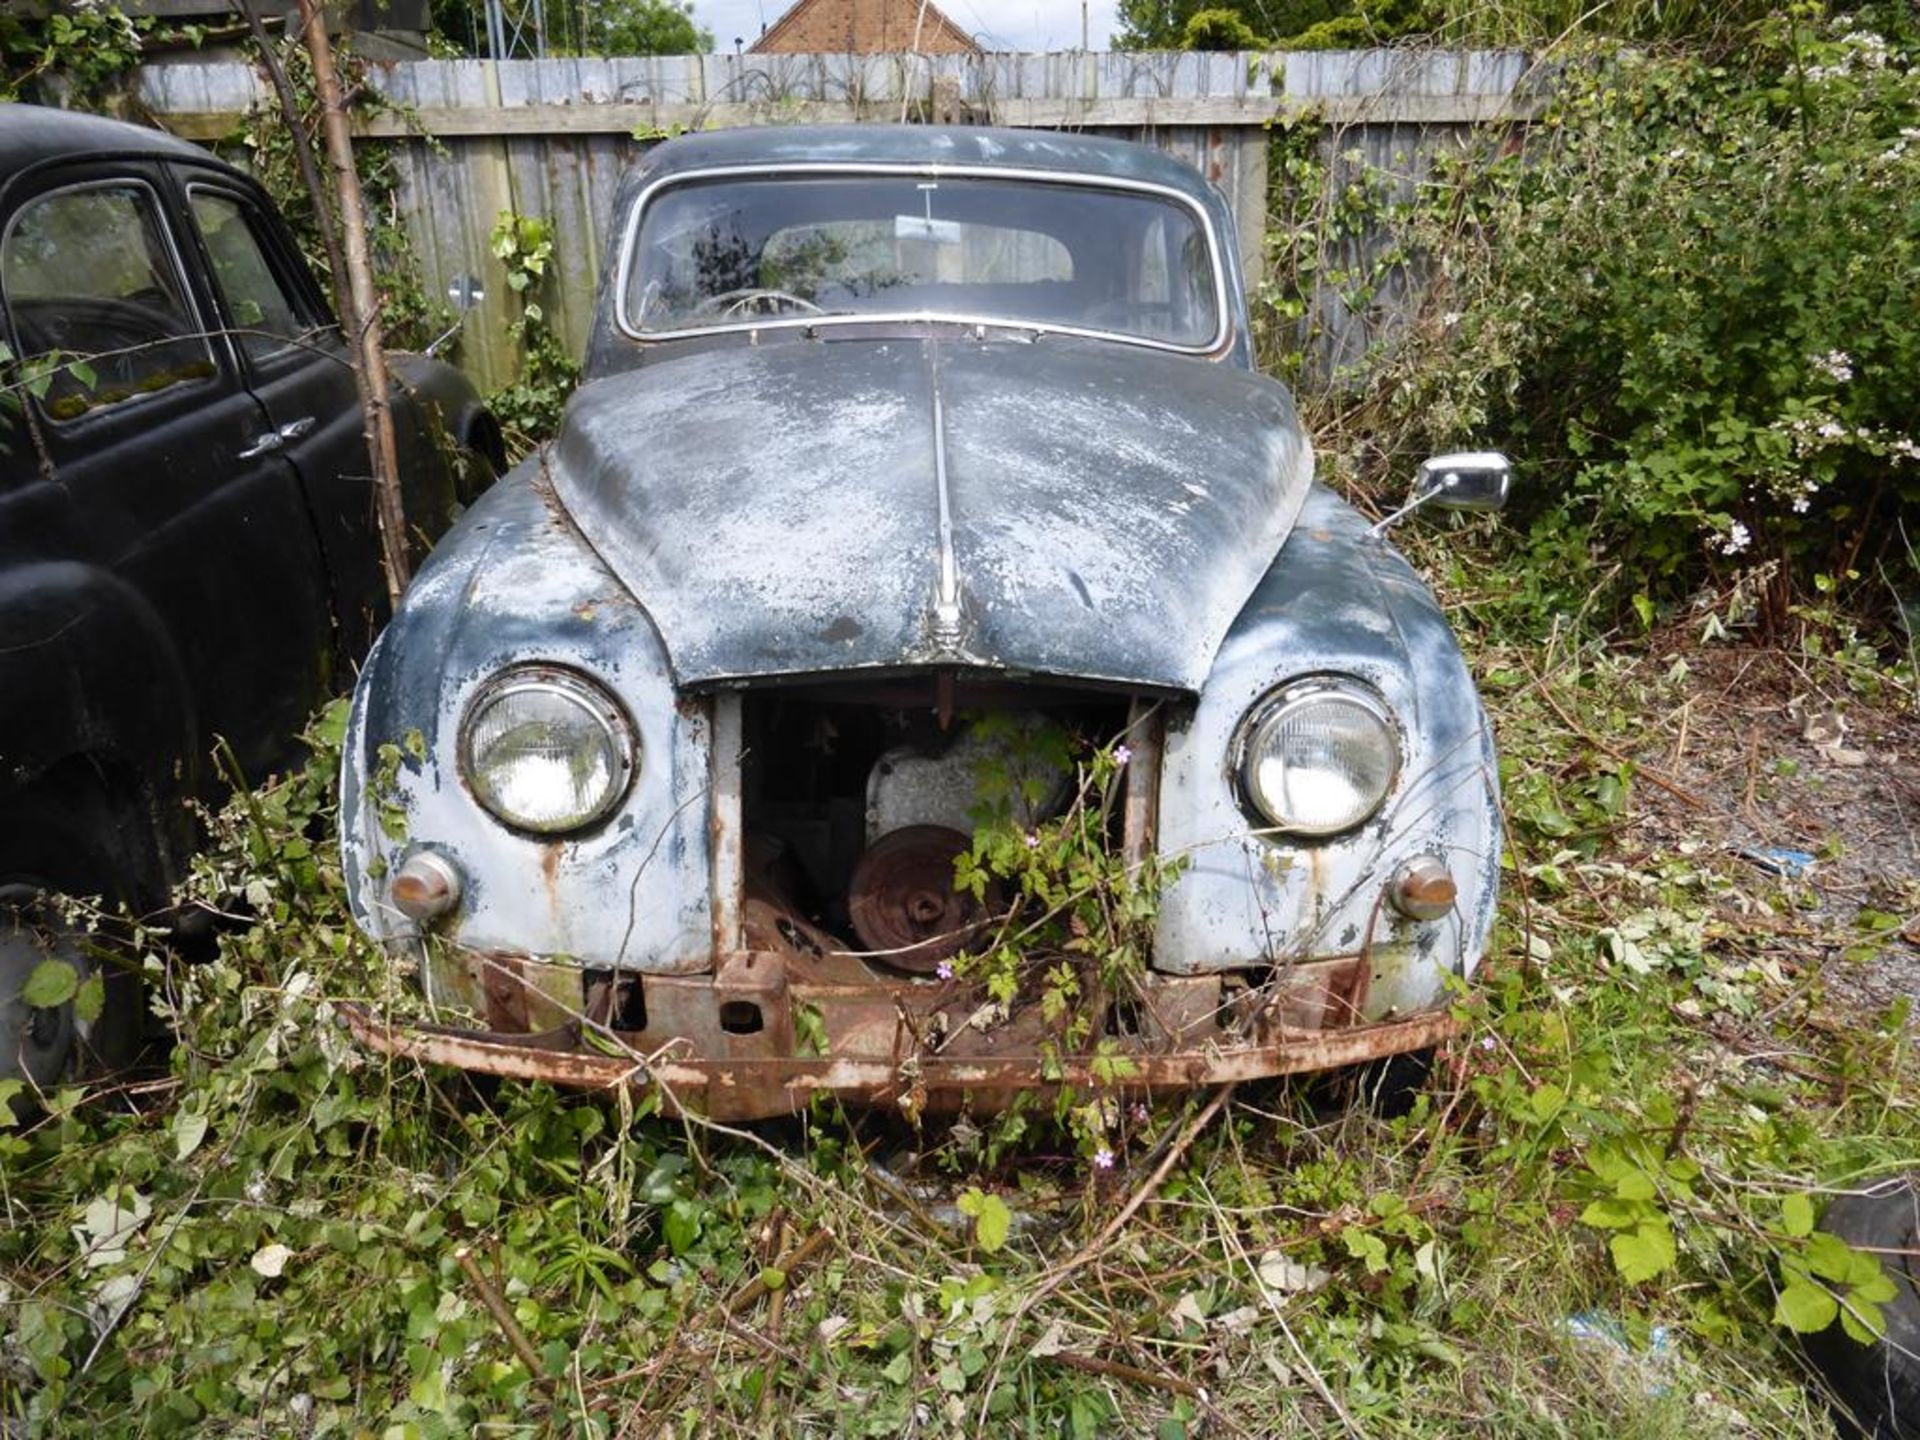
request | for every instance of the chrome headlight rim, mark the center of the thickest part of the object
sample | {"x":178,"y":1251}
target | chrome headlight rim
{"x":587,"y":694}
{"x":1289,"y":697}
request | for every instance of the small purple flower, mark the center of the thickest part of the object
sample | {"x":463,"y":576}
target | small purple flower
{"x":1033,"y":840}
{"x":1487,"y":1042}
{"x":1122,"y":754}
{"x":1103,"y":1159}
{"x":944,"y":970}
{"x":1140,"y":1112}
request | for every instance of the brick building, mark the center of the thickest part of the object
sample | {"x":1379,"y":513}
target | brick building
{"x":864,"y":27}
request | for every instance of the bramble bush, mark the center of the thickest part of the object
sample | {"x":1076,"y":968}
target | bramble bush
{"x":1685,"y":305}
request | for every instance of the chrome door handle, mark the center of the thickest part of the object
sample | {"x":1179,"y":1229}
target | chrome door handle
{"x":277,"y":439}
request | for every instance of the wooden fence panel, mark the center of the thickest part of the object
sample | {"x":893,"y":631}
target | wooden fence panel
{"x":551,"y":137}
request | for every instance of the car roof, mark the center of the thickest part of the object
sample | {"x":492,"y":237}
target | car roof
{"x":31,"y":135}
{"x":958,"y":145}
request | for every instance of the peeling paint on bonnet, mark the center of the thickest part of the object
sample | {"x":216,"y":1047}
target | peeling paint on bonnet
{"x":778,"y":507}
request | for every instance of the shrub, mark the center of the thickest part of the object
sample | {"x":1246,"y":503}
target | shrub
{"x":1686,"y":305}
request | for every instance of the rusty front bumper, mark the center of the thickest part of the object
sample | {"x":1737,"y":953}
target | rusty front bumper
{"x":770,"y":1030}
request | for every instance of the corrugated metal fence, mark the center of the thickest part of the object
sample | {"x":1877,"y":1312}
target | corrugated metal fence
{"x":551,"y":137}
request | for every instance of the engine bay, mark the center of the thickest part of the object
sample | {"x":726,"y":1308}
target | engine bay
{"x":855,"y":807}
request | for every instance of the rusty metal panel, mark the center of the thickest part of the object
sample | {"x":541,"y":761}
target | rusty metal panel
{"x":749,"y":1087}
{"x":1146,"y":735}
{"x":726,"y":829}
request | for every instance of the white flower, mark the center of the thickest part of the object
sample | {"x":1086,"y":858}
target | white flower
{"x":1737,"y":538}
{"x":1835,"y":365}
{"x":1800,"y":504}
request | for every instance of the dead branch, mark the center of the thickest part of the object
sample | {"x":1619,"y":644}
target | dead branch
{"x":756,"y":1287}
{"x":302,"y":143}
{"x":502,"y":1313}
{"x":1132,"y":1374}
{"x":360,"y":305}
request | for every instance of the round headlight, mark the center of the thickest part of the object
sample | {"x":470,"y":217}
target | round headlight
{"x":1318,"y":757}
{"x":546,"y":750}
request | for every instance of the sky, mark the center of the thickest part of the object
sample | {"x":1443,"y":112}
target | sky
{"x":996,"y":24}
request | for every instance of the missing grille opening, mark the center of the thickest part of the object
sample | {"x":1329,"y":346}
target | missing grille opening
{"x":617,"y":995}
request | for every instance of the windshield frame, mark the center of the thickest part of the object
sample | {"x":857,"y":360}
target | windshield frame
{"x":1218,"y":344}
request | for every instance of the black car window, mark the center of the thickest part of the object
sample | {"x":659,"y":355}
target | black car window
{"x":97,"y":301}
{"x":263,"y":313}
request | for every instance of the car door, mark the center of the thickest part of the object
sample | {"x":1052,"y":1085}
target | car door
{"x":293,"y":359}
{"x":151,"y":464}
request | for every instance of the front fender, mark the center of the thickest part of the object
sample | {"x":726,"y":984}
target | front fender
{"x":514,"y":583}
{"x":1336,"y":600}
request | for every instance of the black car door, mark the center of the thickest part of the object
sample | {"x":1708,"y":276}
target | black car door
{"x":151,"y":463}
{"x":294,"y":360}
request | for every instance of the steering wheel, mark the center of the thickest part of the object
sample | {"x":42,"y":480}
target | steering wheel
{"x":755,"y":300}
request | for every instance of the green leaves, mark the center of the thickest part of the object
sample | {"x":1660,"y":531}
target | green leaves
{"x":1640,"y":1180}
{"x":1805,"y":1306}
{"x":1645,"y":1251}
{"x":1829,"y":1279}
{"x":992,"y":1220}
{"x":189,"y":1129}
{"x":51,"y":983}
{"x":1796,"y":1214}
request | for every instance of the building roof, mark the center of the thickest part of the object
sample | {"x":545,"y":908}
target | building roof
{"x":865,"y":27}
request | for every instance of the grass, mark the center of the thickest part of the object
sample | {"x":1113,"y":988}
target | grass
{"x":285,"y":1236}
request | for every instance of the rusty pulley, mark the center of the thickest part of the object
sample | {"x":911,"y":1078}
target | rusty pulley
{"x":903,"y":903}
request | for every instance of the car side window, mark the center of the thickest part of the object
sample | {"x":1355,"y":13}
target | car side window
{"x":98,"y":303}
{"x":265,"y":316}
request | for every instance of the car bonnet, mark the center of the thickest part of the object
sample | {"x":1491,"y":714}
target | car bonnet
{"x":1079,"y":510}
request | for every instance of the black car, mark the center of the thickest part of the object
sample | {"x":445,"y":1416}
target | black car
{"x":188,"y":545}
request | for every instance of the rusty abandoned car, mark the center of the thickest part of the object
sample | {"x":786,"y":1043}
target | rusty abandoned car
{"x":900,"y":447}
{"x":187,"y":542}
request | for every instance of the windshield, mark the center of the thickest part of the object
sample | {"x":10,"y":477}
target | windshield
{"x":757,"y":250}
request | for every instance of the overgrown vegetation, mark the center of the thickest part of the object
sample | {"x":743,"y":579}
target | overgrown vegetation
{"x":529,"y":409}
{"x":585,"y":27}
{"x":1359,"y":24}
{"x":1682,"y":303}
{"x":75,"y":53}
{"x":1595,"y":1220}
{"x":1683,"y":308}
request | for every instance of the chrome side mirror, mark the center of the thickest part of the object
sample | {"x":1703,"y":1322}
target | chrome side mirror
{"x":1477,"y":480}
{"x":1470,"y":480}
{"x":464,"y":293}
